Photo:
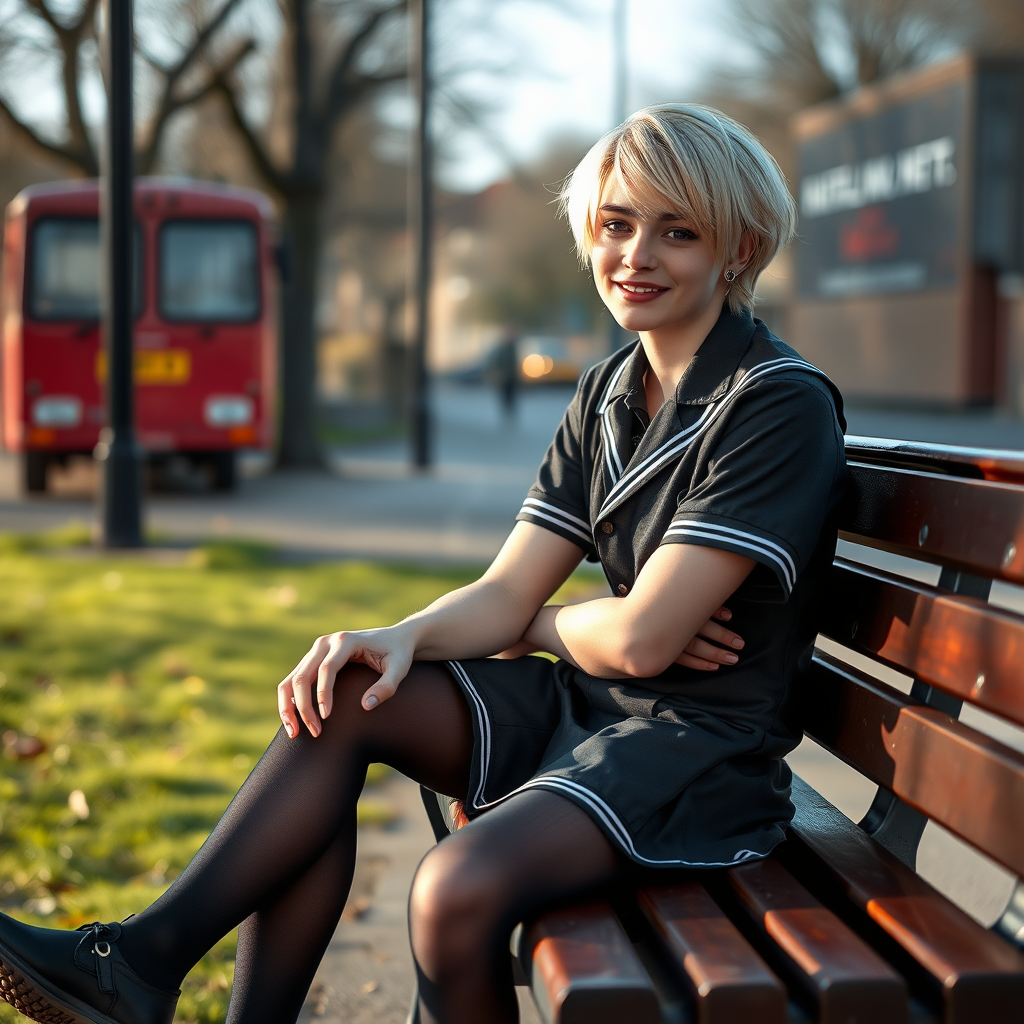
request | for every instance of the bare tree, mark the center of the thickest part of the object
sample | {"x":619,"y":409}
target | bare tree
{"x":339,"y":53}
{"x":804,"y":51}
{"x":63,"y":41}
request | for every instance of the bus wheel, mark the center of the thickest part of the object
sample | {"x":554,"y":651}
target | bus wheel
{"x":224,"y":472}
{"x":34,"y":469}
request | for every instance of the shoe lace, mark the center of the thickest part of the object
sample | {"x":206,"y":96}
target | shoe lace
{"x":94,"y":940}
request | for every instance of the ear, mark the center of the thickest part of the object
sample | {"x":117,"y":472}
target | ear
{"x":743,"y":253}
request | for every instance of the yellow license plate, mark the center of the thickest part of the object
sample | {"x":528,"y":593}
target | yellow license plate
{"x":163,"y":366}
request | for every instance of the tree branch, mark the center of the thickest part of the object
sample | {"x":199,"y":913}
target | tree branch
{"x":171,"y":104}
{"x":261,"y":158}
{"x":340,"y":81}
{"x":49,"y":148}
{"x":175,"y":71}
{"x":86,"y":19}
{"x":44,"y":12}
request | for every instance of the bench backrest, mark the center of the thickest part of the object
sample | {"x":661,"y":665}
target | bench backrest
{"x":962,"y":510}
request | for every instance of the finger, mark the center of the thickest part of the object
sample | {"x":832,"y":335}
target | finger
{"x":689,"y":661}
{"x":384,"y":688}
{"x":303,"y":679}
{"x":285,"y":707}
{"x":709,"y":652}
{"x":723,"y":614}
{"x":305,"y":672}
{"x":302,"y":692}
{"x":335,"y":661}
{"x":713,"y":631}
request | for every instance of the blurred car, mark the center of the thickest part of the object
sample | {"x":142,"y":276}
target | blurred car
{"x":546,"y":359}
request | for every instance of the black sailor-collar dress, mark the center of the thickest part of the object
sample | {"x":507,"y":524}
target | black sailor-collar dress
{"x":685,"y":769}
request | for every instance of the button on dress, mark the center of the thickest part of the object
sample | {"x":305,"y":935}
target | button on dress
{"x":686,"y":768}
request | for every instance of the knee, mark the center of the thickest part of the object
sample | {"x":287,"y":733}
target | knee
{"x":349,"y":686}
{"x":454,"y":910}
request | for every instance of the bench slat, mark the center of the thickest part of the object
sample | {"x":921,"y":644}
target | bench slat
{"x":967,"y":782}
{"x":849,"y":981}
{"x":959,"y":644}
{"x":972,"y":525}
{"x":981,"y":463}
{"x":980,"y":976}
{"x":729,"y":981}
{"x":584,"y":969}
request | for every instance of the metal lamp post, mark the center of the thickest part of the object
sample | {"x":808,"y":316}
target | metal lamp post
{"x":421,"y":222}
{"x":118,"y":453}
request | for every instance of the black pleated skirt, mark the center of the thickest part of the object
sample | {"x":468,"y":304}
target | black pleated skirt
{"x":669,"y":785}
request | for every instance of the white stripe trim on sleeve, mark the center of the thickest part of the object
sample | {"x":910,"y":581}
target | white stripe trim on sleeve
{"x":684,"y":521}
{"x":750,"y":542}
{"x":554,"y":508}
{"x":536,"y":512}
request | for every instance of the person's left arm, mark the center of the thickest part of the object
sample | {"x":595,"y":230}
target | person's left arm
{"x":769,"y":487}
{"x":642,"y":634}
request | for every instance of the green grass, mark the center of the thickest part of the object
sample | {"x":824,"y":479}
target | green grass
{"x":151,"y":689}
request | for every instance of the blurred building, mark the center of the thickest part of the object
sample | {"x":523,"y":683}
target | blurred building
{"x":911,"y":239}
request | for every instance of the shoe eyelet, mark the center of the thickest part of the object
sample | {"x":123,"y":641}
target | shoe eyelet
{"x":105,"y":951}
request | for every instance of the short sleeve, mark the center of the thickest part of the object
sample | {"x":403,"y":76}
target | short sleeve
{"x":558,"y":500}
{"x":771,"y":481}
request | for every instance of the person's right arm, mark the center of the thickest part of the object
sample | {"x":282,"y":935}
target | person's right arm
{"x":475,"y":621}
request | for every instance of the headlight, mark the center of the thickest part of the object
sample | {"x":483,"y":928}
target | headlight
{"x":228,"y":410}
{"x":57,"y":411}
{"x":536,"y":365}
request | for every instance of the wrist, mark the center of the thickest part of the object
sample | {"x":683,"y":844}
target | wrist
{"x":410,"y":634}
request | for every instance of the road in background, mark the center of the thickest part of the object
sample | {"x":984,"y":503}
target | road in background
{"x":372,"y":505}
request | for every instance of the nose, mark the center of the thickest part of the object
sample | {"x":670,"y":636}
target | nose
{"x":638,"y":253}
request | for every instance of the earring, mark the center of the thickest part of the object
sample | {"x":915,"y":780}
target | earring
{"x":730,"y":276}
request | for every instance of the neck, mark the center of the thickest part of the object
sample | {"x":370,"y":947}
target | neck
{"x":669,"y":351}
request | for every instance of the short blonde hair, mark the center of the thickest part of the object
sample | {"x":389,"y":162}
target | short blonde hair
{"x":695,"y":161}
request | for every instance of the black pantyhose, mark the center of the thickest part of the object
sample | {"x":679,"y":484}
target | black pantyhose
{"x":280,"y":862}
{"x":474,"y":887}
{"x":281,"y":858}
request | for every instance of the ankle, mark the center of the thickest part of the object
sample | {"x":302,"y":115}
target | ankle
{"x":149,"y":958}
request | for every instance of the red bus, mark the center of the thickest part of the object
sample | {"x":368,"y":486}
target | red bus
{"x":205,"y":335}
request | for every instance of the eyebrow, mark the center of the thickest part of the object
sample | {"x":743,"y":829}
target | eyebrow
{"x":630,"y":212}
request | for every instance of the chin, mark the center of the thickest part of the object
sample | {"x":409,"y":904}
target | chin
{"x":631,"y":319}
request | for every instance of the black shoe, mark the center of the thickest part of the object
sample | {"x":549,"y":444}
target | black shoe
{"x":60,"y":977}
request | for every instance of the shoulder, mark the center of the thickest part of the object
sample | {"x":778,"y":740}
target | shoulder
{"x":772,"y":373}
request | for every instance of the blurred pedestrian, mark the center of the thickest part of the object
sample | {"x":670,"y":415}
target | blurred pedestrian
{"x":506,"y":372}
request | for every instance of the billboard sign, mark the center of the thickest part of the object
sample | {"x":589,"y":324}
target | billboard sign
{"x":880,"y":198}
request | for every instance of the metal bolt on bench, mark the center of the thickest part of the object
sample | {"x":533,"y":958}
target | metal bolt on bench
{"x":836,"y":926}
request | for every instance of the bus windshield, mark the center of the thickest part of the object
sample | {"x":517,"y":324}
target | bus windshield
{"x":209,"y":271}
{"x":64,"y":278}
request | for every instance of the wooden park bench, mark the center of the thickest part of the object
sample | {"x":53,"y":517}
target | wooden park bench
{"x":836,"y":926}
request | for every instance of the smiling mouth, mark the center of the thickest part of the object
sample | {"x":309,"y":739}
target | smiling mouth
{"x":639,"y":291}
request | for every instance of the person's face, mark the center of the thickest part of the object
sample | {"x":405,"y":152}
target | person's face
{"x":652,"y":272}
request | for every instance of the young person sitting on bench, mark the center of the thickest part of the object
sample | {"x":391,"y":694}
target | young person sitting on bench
{"x":699,"y":464}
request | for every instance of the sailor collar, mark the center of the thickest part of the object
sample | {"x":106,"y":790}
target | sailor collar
{"x":709,"y":374}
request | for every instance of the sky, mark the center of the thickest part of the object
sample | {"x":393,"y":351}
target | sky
{"x":561,"y":78}
{"x":552,"y":70}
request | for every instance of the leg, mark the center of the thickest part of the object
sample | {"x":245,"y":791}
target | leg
{"x":281,"y":858}
{"x":474,"y":887}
